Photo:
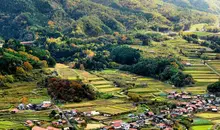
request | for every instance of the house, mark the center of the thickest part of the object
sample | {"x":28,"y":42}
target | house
{"x":132,"y":129}
{"x":21,"y":107}
{"x":214,"y":110}
{"x":15,"y":110}
{"x":29,"y":123}
{"x":134,"y":125}
{"x":150,"y":114}
{"x":46,"y":104}
{"x":125,"y":126}
{"x":117,"y":124}
{"x":153,"y":52}
{"x":38,"y":128}
{"x":188,"y":64}
{"x":27,"y":42}
{"x":186,"y":97}
{"x":161,"y":125}
{"x":95,"y":113}
{"x":52,"y":128}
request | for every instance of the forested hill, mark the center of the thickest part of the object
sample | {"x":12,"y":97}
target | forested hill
{"x":203,"y":5}
{"x":26,"y":19}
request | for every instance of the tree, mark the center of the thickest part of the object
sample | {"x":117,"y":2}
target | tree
{"x":51,"y":24}
{"x":20,"y":71}
{"x":51,"y":62}
{"x":9,"y":78}
{"x":24,"y":100}
{"x":125,"y":55}
{"x":44,"y":64}
{"x":82,"y":67}
{"x":180,"y":79}
{"x":28,"y":66}
{"x":214,"y":88}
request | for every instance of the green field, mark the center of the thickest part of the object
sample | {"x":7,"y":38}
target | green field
{"x":200,"y":121}
{"x":197,"y":26}
{"x":210,"y":116}
{"x":202,"y":127}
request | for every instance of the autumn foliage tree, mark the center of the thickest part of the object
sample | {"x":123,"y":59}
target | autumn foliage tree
{"x":28,"y":66}
{"x":69,"y":91}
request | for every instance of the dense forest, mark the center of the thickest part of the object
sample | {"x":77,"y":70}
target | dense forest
{"x":28,"y":19}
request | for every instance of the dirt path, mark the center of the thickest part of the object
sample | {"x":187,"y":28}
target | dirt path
{"x":212,"y":69}
{"x":216,"y":127}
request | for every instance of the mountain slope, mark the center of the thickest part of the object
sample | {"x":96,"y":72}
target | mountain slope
{"x":212,"y":6}
{"x":21,"y":19}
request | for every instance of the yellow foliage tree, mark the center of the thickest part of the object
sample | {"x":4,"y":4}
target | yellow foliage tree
{"x":51,"y":23}
{"x":24,"y":100}
{"x":89,"y":53}
{"x":44,"y":63}
{"x":20,"y":71}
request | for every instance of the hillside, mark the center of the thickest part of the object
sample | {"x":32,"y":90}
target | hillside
{"x":26,"y":19}
{"x":203,"y":5}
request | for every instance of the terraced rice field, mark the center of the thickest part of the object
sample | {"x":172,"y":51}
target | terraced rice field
{"x":13,"y":96}
{"x":93,"y":103}
{"x":213,"y":117}
{"x":215,"y":64}
{"x":101,"y":84}
{"x":144,"y":86}
{"x":116,"y":109}
{"x":65,"y":72}
{"x":203,"y":76}
{"x":111,"y":106}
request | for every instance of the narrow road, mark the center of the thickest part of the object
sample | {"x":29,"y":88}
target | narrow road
{"x":212,"y":69}
{"x":64,"y":116}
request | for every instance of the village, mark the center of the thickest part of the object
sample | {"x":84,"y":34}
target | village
{"x":185,"y":105}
